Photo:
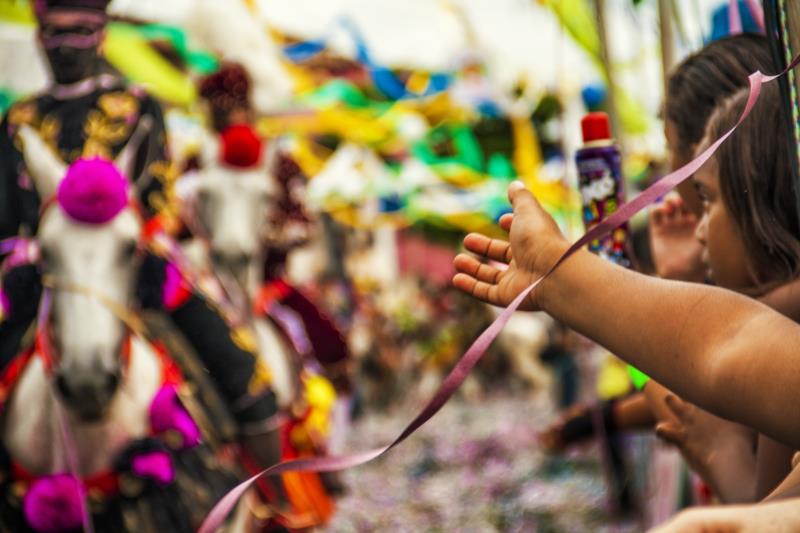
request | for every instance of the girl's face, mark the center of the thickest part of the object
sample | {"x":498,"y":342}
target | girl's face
{"x":724,"y":252}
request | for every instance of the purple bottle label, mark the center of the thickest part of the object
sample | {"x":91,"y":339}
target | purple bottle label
{"x":602,"y":192}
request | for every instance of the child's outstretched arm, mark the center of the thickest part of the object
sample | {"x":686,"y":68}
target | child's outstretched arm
{"x":728,"y":354}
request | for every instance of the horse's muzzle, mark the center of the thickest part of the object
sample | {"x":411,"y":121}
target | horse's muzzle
{"x":87,"y":396}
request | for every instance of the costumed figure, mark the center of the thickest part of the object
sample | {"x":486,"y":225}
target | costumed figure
{"x":88,"y":113}
{"x":99,"y":425}
{"x":291,"y":226}
{"x":233,"y":206}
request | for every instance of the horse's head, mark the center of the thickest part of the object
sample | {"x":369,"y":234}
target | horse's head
{"x":88,"y":236}
{"x":234,"y":198}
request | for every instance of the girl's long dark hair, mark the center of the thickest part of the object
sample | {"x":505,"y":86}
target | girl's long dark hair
{"x":706,"y":78}
{"x":757,"y":185}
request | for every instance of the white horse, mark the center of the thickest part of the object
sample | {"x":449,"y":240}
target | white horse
{"x":230,"y":209}
{"x":104,"y":402}
{"x":77,"y":414}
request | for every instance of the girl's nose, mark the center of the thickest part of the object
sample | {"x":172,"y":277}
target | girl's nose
{"x":700,"y":230}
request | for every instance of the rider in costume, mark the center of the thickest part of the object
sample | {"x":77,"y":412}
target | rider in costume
{"x":228,"y":95}
{"x":89,"y":112}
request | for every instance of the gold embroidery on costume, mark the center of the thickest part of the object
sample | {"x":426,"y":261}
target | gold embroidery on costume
{"x":49,"y":130}
{"x":23,"y":113}
{"x":48,"y":127}
{"x":260,"y":380}
{"x":103,"y":133}
{"x":118,"y":105}
{"x":244,"y":339}
{"x":165,"y":201}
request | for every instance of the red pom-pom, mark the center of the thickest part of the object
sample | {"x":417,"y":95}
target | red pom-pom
{"x":241,"y":147}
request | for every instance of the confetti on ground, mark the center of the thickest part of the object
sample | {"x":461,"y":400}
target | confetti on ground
{"x":475,"y":467}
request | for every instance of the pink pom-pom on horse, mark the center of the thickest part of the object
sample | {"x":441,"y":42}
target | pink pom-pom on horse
{"x":93,"y":191}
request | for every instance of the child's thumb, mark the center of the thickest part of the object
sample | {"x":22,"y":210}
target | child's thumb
{"x":671,"y":433}
{"x":522,"y":200}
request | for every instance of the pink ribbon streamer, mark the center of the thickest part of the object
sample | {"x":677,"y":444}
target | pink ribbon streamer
{"x":734,"y":18}
{"x":757,"y":12}
{"x":462,"y":369}
{"x":70,"y":449}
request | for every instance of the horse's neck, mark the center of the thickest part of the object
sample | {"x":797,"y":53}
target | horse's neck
{"x":33,"y":433}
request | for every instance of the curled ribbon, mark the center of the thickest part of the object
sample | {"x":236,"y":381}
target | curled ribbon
{"x":462,"y":369}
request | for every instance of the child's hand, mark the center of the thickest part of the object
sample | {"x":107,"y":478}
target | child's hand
{"x":676,"y":251}
{"x":536,"y":244}
{"x":706,"y":441}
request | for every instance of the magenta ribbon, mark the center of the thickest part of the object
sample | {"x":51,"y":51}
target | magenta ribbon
{"x":462,"y":369}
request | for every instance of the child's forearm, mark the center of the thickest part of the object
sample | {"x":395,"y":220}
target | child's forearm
{"x":701,"y":342}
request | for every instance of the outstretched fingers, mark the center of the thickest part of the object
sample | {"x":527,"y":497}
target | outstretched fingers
{"x":480,"y":271}
{"x":495,"y":249}
{"x":481,"y":290}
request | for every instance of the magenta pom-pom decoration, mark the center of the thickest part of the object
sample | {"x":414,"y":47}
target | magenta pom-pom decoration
{"x":53,"y":504}
{"x":173,"y":291}
{"x":168,"y":414}
{"x":94,"y":191}
{"x":155,"y":465}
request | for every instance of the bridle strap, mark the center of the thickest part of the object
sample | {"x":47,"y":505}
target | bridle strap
{"x":129,"y":318}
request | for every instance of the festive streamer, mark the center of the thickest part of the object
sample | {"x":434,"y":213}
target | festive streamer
{"x":734,"y":18}
{"x":384,"y":79}
{"x":577,"y":19}
{"x":757,"y":12}
{"x":128,"y":51}
{"x":462,"y":369}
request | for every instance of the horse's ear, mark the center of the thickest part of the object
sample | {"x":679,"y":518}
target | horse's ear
{"x":126,"y":159}
{"x":46,"y":169}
